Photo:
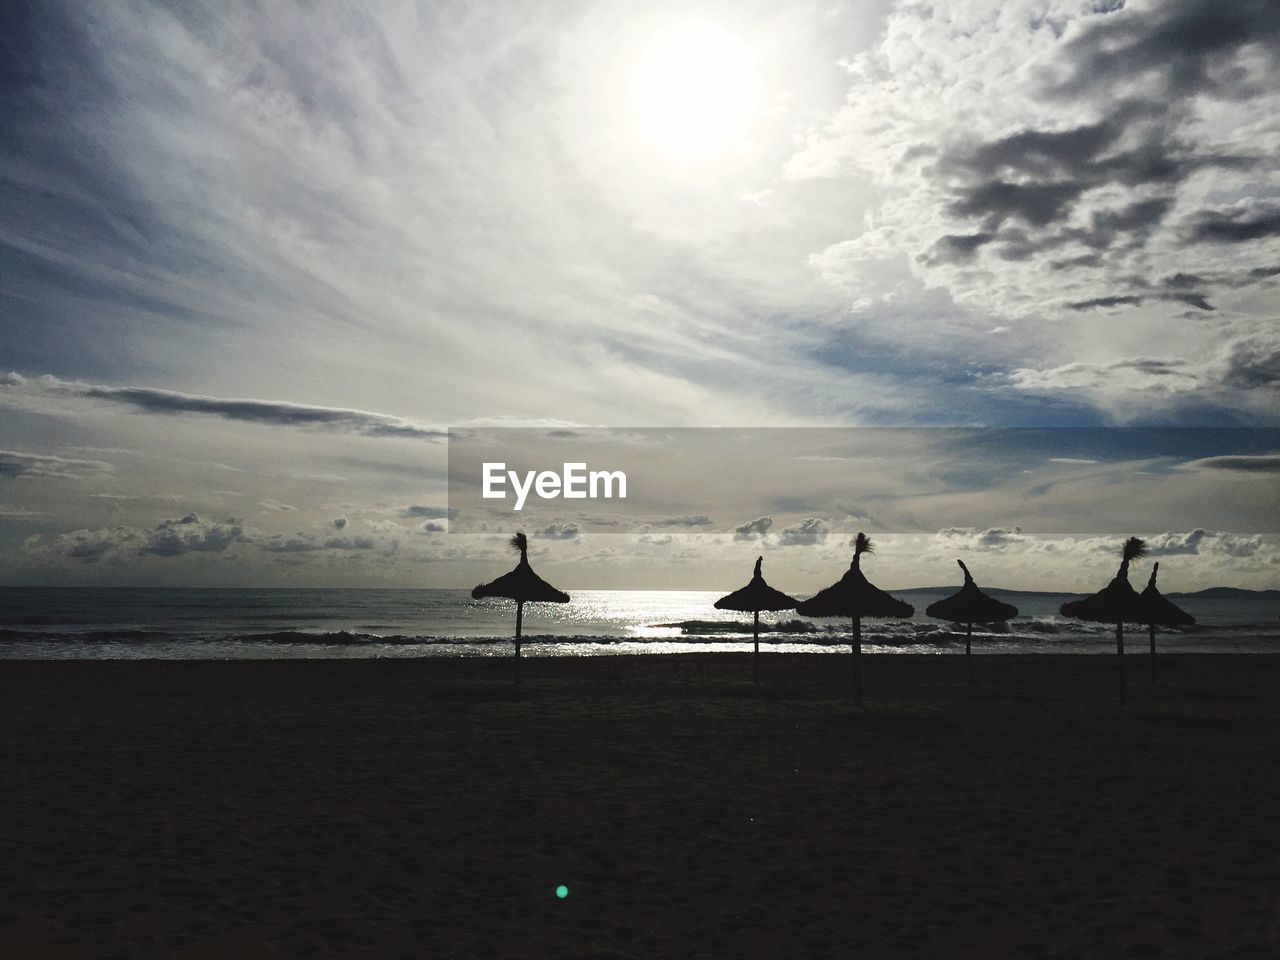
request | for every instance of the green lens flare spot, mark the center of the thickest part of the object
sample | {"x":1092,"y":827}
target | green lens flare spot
{"x":562,"y":891}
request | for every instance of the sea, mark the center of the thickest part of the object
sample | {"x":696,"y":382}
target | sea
{"x":249,"y":624}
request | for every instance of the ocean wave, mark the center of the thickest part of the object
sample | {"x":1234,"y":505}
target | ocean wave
{"x":721,"y":627}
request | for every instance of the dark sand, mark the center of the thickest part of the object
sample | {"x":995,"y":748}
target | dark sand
{"x":428,"y":809}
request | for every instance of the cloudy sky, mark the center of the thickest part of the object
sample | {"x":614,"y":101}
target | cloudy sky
{"x":256,"y":260}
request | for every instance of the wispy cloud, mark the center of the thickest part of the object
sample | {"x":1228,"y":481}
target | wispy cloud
{"x":1267,"y":463}
{"x":36,"y":466}
{"x":267,"y":412}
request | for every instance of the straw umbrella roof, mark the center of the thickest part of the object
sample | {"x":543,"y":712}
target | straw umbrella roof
{"x":971,"y":605}
{"x":1117,"y":602}
{"x":1160,"y":611}
{"x":853,"y":595}
{"x":756,"y":596}
{"x":521,"y":584}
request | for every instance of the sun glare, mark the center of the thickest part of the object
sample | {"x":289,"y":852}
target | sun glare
{"x":693,"y":90}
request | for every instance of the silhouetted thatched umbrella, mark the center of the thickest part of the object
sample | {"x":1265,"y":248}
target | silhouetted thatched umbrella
{"x":854,"y":597}
{"x":969,"y":605}
{"x":754,"y":597}
{"x":1159,"y":611}
{"x":1116,"y":603}
{"x":523,"y":586}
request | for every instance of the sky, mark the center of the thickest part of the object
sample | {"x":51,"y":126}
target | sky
{"x":257,"y":260}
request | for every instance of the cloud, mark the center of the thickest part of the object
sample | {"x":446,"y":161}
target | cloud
{"x":559,"y":531}
{"x":20,"y":513}
{"x":173,"y":538}
{"x":1235,"y":226}
{"x":35,"y":466}
{"x":425,"y":512}
{"x":275,"y":506}
{"x":1037,"y":166}
{"x":90,"y":546}
{"x":1266,"y":463}
{"x":807,"y":532}
{"x":992,"y":539}
{"x":267,"y":412}
{"x":1243,"y":365}
{"x":1174,"y":49}
{"x":1194,"y":542}
{"x":169,"y":538}
{"x":753,"y":529}
{"x":696,"y":520}
{"x":301,"y":542}
{"x":1250,"y":363}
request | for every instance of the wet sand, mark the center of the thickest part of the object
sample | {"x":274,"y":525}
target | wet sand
{"x":429,"y":809}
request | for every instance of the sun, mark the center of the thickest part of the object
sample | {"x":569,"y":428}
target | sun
{"x":693,"y":90}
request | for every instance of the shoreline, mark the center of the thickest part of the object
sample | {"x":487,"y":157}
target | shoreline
{"x":388,"y":808}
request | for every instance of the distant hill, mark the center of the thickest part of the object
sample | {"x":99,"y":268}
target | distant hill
{"x":1210,"y":593}
{"x":1229,"y":593}
{"x":953,"y":587}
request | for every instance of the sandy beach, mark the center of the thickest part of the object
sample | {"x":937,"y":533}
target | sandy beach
{"x":430,"y":809}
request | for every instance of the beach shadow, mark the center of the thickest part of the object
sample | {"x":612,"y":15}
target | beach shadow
{"x":881,"y":724}
{"x":1260,"y":725}
{"x":469,"y":696}
{"x":1008,"y":696}
{"x":1212,"y":695}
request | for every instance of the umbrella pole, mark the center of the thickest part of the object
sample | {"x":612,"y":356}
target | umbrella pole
{"x":1120,"y":658}
{"x":755,"y":660}
{"x":968,"y":651}
{"x":857,"y":662}
{"x":519,"y":622}
{"x":1152,"y":627}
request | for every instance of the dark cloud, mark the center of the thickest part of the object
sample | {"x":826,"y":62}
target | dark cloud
{"x":169,"y":538}
{"x":1024,"y":190}
{"x":307,"y":543}
{"x":1084,"y":260}
{"x":1251,"y":363}
{"x":350,"y":543}
{"x":14,"y":465}
{"x":753,"y":529}
{"x":1196,"y":300}
{"x":559,"y":531}
{"x":1102,"y":302}
{"x":1184,"y":47}
{"x":1036,"y":204}
{"x":1266,"y":463}
{"x":1235,"y":226}
{"x":993,"y":538}
{"x":1134,"y":221}
{"x":425,"y":512}
{"x":1199,"y":541}
{"x":271,"y":412}
{"x":1183,"y":280}
{"x":697,"y":520}
{"x":91,"y":546}
{"x":956,"y":248}
{"x":173,"y":538}
{"x":1171,"y":544}
{"x":807,"y":532}
{"x":1155,"y":366}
